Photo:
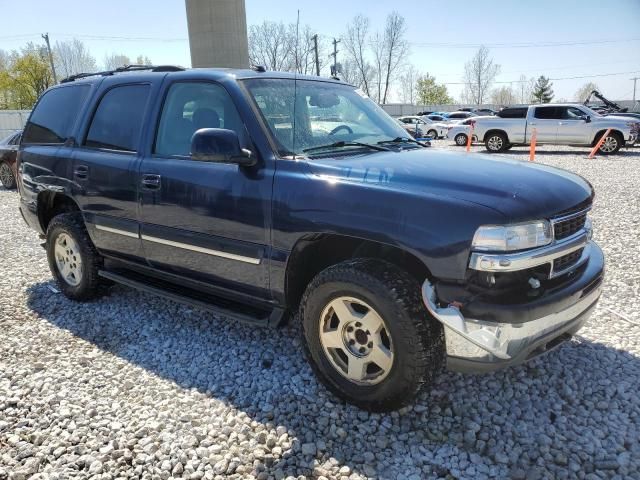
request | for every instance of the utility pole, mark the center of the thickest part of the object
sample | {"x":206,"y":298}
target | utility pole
{"x":315,"y":50}
{"x":334,"y":68}
{"x":53,"y":69}
{"x":635,"y":79}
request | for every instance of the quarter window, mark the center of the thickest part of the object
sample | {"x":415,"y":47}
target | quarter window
{"x":117,"y":122}
{"x":55,"y":114}
{"x":190,"y":106}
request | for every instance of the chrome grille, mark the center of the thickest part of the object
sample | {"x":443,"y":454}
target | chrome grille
{"x":566,"y":261}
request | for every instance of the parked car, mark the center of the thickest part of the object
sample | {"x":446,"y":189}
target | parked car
{"x":215,"y":188}
{"x":558,"y":124}
{"x":484,"y":111}
{"x":459,"y":132}
{"x":629,"y":115}
{"x":421,"y":127}
{"x":8,"y":151}
{"x":436,"y":118}
{"x":460,"y":115}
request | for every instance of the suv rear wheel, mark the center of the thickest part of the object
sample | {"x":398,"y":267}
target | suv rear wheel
{"x":368,"y":335}
{"x":496,"y":142}
{"x":73,"y":260}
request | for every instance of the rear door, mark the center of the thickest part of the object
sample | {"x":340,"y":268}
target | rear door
{"x":545,"y":121}
{"x":208,"y":221}
{"x":105,"y":167}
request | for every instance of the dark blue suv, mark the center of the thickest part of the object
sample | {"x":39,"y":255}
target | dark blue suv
{"x":265,"y":196}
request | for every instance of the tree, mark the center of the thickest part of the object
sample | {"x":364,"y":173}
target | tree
{"x":28,"y":77}
{"x":271,"y":45}
{"x":409,"y":85}
{"x":430,"y":93}
{"x":584,"y":91}
{"x":542,"y":92}
{"x":503,"y":96}
{"x":479,"y":74}
{"x":355,"y":42}
{"x":72,"y":57}
{"x":143,"y":60}
{"x":395,"y":49}
{"x":116,"y":60}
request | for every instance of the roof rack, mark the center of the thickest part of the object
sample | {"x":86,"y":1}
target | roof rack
{"x":125,"y":68}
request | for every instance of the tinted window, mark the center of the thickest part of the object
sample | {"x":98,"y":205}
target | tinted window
{"x":55,"y":115}
{"x":512,"y":113}
{"x":573,"y":113}
{"x":459,"y":115}
{"x":190,"y":106}
{"x":548,"y":113}
{"x":117,"y":122}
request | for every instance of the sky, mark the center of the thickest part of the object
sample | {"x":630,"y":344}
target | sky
{"x":555,"y":38}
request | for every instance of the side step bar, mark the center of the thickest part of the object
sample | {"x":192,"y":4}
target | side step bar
{"x":218,"y":305}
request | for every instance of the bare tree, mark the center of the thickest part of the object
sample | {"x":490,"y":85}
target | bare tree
{"x":479,"y":74}
{"x":503,"y":96}
{"x":272,"y":46}
{"x":396,"y":49}
{"x":584,"y":91}
{"x":73,"y":57}
{"x":355,"y":43}
{"x":143,"y":60}
{"x":377,"y":44}
{"x":116,"y":60}
{"x":408,"y":84}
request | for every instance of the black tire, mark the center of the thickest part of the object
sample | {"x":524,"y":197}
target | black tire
{"x":433,"y":134}
{"x":461,"y":139}
{"x":7,"y":178}
{"x":616,"y":140}
{"x":417,"y":339}
{"x":72,"y":224}
{"x":496,"y":142}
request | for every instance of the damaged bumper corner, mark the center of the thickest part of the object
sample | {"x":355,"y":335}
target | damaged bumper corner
{"x":480,"y":346}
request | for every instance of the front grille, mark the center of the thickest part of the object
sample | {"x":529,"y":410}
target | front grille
{"x":567,"y":261}
{"x":566,"y":228}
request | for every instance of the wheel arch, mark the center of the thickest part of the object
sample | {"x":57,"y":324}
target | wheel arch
{"x":51,"y":203}
{"x":488,"y":133}
{"x":602,"y":131}
{"x":313,"y":253}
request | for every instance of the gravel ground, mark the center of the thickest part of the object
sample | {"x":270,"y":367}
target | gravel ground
{"x":133,"y":386}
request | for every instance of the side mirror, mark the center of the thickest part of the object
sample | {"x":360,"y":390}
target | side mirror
{"x":587,"y":118}
{"x":219,"y":145}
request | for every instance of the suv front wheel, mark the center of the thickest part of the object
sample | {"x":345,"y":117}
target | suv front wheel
{"x":368,"y":335}
{"x":73,"y":260}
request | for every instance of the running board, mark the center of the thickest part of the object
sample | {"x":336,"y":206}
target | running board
{"x":215,"y":304}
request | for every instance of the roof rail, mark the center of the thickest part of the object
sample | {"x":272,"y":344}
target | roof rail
{"x":125,"y":68}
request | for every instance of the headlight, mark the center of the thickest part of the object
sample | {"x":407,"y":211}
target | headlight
{"x":512,"y":237}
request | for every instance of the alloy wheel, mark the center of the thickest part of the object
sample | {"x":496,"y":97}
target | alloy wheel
{"x":609,"y":145}
{"x":356,"y":341}
{"x":68,"y":259}
{"x":6,"y":175}
{"x":495,"y":143}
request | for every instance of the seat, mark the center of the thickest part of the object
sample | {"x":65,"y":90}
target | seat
{"x":205,"y":118}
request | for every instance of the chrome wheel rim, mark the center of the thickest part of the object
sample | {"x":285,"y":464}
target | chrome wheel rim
{"x":6,"y":175}
{"x":433,"y":134}
{"x":356,"y":341}
{"x":68,"y":259}
{"x":609,"y":145}
{"x":495,"y":143}
{"x":461,"y":139}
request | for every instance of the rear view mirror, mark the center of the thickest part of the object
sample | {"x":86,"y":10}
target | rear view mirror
{"x":219,"y":145}
{"x":324,"y":100}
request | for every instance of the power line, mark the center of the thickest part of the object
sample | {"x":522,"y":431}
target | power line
{"x":559,"y":78}
{"x":521,"y":45}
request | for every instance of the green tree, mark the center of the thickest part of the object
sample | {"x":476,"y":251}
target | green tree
{"x":430,"y":93}
{"x":542,"y":91}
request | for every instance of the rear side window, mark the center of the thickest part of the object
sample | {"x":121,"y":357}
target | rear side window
{"x":117,"y":122}
{"x":55,"y":114}
{"x":512,"y":113}
{"x":548,"y":113}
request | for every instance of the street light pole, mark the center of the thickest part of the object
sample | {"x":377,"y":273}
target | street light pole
{"x":53,"y":69}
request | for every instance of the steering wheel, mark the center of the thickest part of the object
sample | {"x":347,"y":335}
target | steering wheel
{"x":341,"y":127}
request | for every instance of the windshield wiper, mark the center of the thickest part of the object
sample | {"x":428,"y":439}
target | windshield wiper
{"x":343,"y":144}
{"x":403,"y":140}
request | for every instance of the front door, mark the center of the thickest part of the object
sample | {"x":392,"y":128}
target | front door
{"x":105,"y":168}
{"x":572,"y":128}
{"x":545,"y":122}
{"x":204,"y":220}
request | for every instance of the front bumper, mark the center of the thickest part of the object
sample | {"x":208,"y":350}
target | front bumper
{"x":480,"y":345}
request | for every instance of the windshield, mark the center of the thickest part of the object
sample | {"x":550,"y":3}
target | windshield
{"x":325,"y":113}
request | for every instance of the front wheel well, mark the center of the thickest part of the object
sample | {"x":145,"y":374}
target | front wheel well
{"x":491,"y":132}
{"x":602,"y":132}
{"x":51,"y":204}
{"x":315,"y":253}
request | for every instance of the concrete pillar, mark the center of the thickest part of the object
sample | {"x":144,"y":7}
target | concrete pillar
{"x":218,"y":33}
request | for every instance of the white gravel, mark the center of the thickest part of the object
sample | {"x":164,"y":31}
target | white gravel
{"x":132,"y":386}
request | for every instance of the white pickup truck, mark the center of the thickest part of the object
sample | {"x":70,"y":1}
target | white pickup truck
{"x":559,"y":124}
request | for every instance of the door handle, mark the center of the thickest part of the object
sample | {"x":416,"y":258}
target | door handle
{"x":81,"y":172}
{"x":151,"y":181}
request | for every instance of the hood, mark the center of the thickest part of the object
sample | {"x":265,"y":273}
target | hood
{"x":519,"y":190}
